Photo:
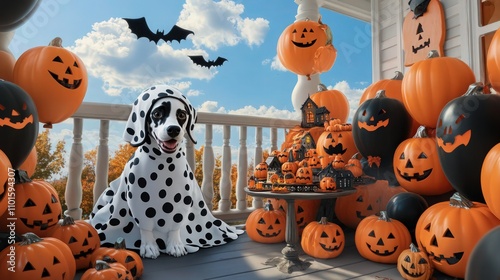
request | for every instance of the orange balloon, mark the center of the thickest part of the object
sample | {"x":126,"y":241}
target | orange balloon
{"x":29,"y":164}
{"x":55,"y":78}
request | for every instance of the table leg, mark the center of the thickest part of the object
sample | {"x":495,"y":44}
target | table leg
{"x":290,"y":260}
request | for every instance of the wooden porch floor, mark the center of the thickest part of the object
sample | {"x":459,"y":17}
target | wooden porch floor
{"x":244,"y":258}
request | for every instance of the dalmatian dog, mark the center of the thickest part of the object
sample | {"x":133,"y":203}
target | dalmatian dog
{"x":156,"y":205}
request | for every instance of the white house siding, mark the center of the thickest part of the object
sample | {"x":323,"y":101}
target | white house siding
{"x":387,"y":21}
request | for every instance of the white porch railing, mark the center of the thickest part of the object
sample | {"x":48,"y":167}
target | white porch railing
{"x":107,"y":113}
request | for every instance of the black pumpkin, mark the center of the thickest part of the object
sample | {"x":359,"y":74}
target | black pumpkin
{"x":483,"y":261}
{"x":467,"y":129}
{"x":379,"y":125}
{"x":18,"y":123}
{"x":15,"y":13}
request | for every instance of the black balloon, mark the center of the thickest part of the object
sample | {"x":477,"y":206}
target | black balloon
{"x":15,"y":13}
{"x":467,"y":129}
{"x":18,"y":123}
{"x":406,"y":207}
{"x":483,"y":260}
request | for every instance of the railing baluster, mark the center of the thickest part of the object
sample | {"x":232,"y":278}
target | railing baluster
{"x":274,"y":139}
{"x":190,"y":153}
{"x":258,"y":157}
{"x":102,"y":162}
{"x":241,"y":182}
{"x":73,"y":192}
{"x":225,"y":179}
{"x":207,"y":184}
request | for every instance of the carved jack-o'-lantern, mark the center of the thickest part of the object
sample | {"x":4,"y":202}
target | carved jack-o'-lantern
{"x":266,"y":225}
{"x":38,"y":258}
{"x":260,"y":171}
{"x":81,"y":237}
{"x":424,"y":32}
{"x":328,"y":183}
{"x":417,"y":168}
{"x":304,"y":175}
{"x":55,"y":78}
{"x":448,"y":232}
{"x":381,"y":239}
{"x":380,"y":120}
{"x":305,"y":48}
{"x":289,"y":167}
{"x":465,"y":131}
{"x":120,"y":254}
{"x":283,"y":156}
{"x":323,"y":239}
{"x":289,"y":178}
{"x":37,"y":205}
{"x":105,"y":270}
{"x":18,"y":123}
{"x":336,"y":140}
{"x":414,"y":264}
{"x":305,"y":210}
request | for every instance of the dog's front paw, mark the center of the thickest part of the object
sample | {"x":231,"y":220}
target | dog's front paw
{"x":149,"y":250}
{"x":176,"y":249}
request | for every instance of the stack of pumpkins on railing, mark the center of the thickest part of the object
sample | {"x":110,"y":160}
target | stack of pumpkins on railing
{"x":37,"y":244}
{"x":436,"y":191}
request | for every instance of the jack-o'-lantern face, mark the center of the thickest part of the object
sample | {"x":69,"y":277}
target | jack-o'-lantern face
{"x":439,"y":243}
{"x":450,"y":136}
{"x":304,"y":175}
{"x":65,"y":70}
{"x":372,"y":122}
{"x":282,"y":156}
{"x":414,"y":264}
{"x":314,"y":162}
{"x":328,"y":183}
{"x":266,"y":225}
{"x":16,"y":118}
{"x":423,"y":31}
{"x":260,"y":171}
{"x":331,"y":239}
{"x":289,"y":167}
{"x":305,"y":34}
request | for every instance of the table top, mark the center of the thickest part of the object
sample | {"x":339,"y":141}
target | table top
{"x":300,"y":195}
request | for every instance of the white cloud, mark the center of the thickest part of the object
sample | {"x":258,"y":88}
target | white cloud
{"x":262,"y":111}
{"x":115,"y":55}
{"x":220,"y":23}
{"x":275,"y":64}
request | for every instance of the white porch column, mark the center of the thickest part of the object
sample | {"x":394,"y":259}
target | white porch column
{"x":73,"y":193}
{"x":307,"y":9}
{"x":257,"y":202}
{"x":241,"y":182}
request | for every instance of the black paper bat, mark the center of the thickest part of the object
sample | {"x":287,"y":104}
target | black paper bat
{"x":200,"y":60}
{"x":140,"y":28}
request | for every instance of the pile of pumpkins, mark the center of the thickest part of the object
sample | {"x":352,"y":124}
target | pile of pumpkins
{"x":40,"y":242}
{"x":430,"y":140}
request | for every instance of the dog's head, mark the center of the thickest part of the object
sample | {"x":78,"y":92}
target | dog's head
{"x":163,"y":114}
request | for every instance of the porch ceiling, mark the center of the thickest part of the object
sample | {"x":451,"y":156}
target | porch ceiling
{"x":360,"y":9}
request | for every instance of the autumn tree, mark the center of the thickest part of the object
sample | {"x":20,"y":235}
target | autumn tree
{"x":49,"y":161}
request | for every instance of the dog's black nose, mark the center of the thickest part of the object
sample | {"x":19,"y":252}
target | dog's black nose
{"x":173,"y":131}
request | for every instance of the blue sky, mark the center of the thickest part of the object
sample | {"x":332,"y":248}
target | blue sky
{"x":245,"y":32}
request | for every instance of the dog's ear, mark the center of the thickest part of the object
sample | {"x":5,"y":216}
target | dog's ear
{"x":193,"y":118}
{"x":136,"y":128}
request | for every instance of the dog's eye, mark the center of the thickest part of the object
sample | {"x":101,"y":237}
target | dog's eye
{"x":157,"y":114}
{"x":181,"y":115}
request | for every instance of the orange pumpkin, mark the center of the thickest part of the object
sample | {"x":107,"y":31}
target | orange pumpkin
{"x":323,"y":239}
{"x":128,"y":258}
{"x":336,"y":140}
{"x":305,"y":48}
{"x":381,"y":239}
{"x":448,"y":231}
{"x":37,"y":205}
{"x":81,"y":237}
{"x":493,"y":61}
{"x":423,"y":33}
{"x":7,"y":62}
{"x":490,"y":179}
{"x":260,"y":171}
{"x":392,"y":88}
{"x":108,"y":271}
{"x":266,"y":225}
{"x":328,"y":183}
{"x":414,"y":264}
{"x":304,"y":175}
{"x":431,"y":83}
{"x":354,"y":165}
{"x":334,"y":100}
{"x":417,"y":167}
{"x":55,"y":78}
